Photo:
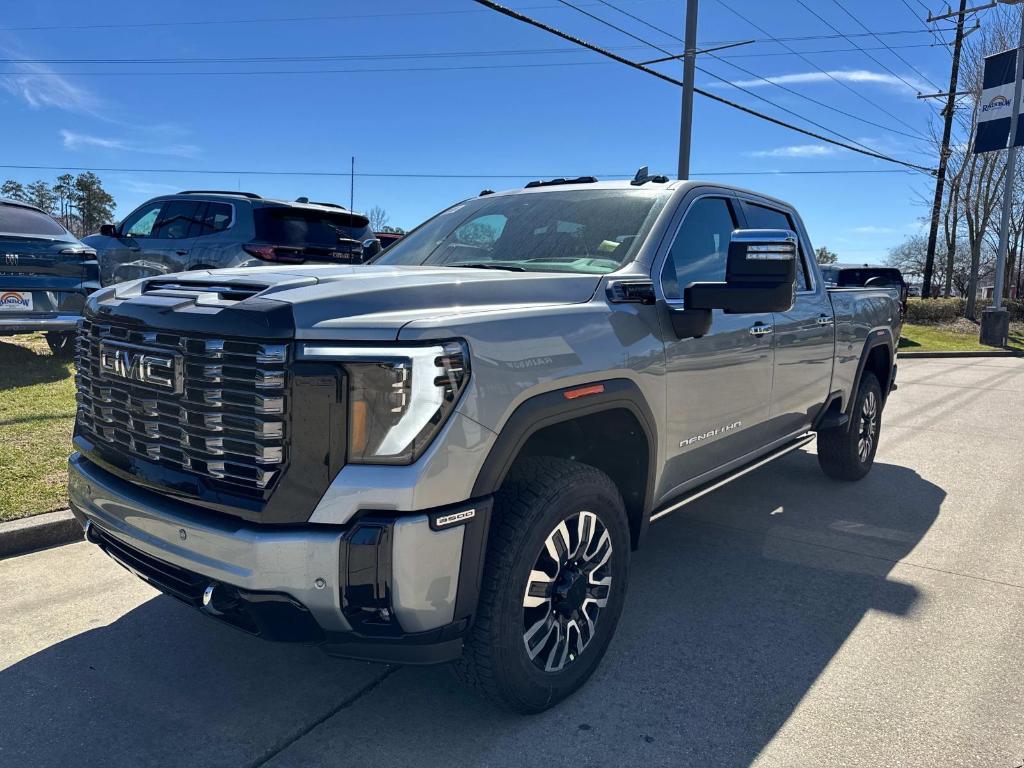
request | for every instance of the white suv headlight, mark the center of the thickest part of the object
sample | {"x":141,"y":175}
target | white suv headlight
{"x":398,"y":397}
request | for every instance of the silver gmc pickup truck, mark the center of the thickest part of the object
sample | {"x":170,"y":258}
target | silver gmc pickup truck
{"x":449,"y":454}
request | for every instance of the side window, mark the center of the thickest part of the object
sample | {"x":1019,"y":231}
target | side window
{"x":761,"y":217}
{"x":701,"y":247}
{"x":177,"y":218}
{"x":482,"y":231}
{"x":140,"y":223}
{"x":217,"y":218}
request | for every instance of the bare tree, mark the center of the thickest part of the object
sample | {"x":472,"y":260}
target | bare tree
{"x":378,"y":218}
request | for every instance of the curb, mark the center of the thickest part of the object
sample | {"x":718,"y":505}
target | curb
{"x":50,"y":529}
{"x":993,"y":353}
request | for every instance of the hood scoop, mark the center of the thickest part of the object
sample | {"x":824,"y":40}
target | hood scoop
{"x":204,"y":293}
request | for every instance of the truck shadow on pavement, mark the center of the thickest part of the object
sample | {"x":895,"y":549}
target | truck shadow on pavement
{"x":737,"y":604}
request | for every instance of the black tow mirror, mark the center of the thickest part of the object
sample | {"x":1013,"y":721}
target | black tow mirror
{"x":108,"y":230}
{"x":760,"y":275}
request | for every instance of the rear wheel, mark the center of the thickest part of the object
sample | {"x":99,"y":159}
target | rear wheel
{"x":61,"y":344}
{"x":847,"y":452}
{"x":554,"y":585}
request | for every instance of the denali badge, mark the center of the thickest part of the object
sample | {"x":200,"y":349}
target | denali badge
{"x":154,"y":368}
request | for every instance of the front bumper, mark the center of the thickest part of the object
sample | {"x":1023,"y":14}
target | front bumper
{"x":393,"y":587}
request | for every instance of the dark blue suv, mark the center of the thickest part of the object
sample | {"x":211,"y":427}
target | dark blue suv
{"x":45,"y":275}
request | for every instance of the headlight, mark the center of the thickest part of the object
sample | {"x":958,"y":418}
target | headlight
{"x":398,"y":397}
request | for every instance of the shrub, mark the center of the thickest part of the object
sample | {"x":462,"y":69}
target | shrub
{"x":1016,"y":308}
{"x":925,"y":311}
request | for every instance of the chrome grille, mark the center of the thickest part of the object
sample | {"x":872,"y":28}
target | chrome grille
{"x":227,"y":425}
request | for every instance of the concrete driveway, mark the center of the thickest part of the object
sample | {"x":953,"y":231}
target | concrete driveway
{"x":785,"y":620}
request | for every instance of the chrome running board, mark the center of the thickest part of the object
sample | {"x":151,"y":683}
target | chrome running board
{"x":716,"y":484}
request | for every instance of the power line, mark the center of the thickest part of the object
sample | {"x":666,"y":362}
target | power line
{"x":378,"y":57}
{"x":364,"y":174}
{"x":884,"y":66}
{"x":932,"y":30}
{"x":708,"y":73}
{"x":765,"y":79}
{"x":829,"y":75}
{"x":863,"y":26}
{"x":513,"y":14}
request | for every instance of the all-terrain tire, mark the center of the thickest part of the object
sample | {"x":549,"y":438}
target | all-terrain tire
{"x":847,"y":452}
{"x":540,"y":495}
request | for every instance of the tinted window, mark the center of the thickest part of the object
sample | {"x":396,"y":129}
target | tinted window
{"x":299,"y":227}
{"x":760,"y":217}
{"x":883,"y":278}
{"x":140,"y":223}
{"x":178,"y":218}
{"x":24,"y":221}
{"x":701,"y":247}
{"x":591,"y":231}
{"x":216,"y":218}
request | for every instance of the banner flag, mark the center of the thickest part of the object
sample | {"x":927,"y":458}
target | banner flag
{"x":996,"y":104}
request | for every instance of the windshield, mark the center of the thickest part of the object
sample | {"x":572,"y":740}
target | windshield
{"x":24,"y":221}
{"x":588,"y":231}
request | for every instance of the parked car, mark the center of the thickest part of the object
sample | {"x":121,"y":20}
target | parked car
{"x":45,"y":275}
{"x":199,"y":229}
{"x":387,"y":239}
{"x":449,"y":454}
{"x":873,"y":275}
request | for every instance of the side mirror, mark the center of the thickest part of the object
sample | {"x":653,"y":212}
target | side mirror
{"x":760,"y":275}
{"x":108,"y":230}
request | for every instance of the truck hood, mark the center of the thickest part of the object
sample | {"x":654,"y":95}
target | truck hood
{"x":374,"y":302}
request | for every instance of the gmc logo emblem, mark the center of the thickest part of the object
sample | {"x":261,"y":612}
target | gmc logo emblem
{"x":151,"y":367}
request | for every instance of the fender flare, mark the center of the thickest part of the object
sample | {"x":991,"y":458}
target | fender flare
{"x":877,"y":337}
{"x":553,"y":407}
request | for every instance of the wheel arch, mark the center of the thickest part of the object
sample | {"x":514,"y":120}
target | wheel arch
{"x":550,"y":424}
{"x":878,"y":356}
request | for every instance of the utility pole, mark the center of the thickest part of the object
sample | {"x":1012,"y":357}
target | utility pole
{"x":689,"y":69}
{"x":352,"y":186}
{"x":947,"y":129}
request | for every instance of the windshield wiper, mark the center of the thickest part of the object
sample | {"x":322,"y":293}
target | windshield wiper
{"x":488,"y":265}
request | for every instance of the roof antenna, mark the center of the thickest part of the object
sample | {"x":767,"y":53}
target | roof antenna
{"x":643,"y":176}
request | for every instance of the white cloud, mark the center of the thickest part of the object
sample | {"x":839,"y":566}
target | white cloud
{"x":40,"y":88}
{"x":796,"y":150}
{"x":872,"y":229}
{"x":74,"y":141}
{"x":842,"y":75}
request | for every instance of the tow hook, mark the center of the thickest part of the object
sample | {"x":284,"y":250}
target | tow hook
{"x":217,"y":600}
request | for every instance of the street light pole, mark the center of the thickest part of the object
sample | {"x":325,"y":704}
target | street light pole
{"x":1011,"y":171}
{"x":995,"y":321}
{"x":689,"y":69}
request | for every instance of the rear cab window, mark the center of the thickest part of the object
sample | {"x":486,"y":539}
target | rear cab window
{"x":17,"y":220}
{"x":764,"y":217}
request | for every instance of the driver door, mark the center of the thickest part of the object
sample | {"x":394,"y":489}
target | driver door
{"x":719,"y":385}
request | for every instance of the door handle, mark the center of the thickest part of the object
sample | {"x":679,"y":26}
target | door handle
{"x":182,"y":253}
{"x":825,"y":320}
{"x":760,"y":329}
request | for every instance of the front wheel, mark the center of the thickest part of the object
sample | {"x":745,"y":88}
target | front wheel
{"x":553,"y":588}
{"x":847,"y":452}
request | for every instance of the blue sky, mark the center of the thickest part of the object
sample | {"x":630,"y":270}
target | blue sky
{"x":515,"y":101}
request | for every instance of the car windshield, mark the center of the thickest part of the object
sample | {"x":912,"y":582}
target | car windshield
{"x":592,"y":231}
{"x":16,"y":220}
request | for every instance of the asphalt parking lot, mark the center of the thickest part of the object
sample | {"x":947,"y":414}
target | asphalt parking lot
{"x":784,"y":621}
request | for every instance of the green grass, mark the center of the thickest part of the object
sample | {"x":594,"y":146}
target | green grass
{"x":960,"y":337}
{"x":37,"y":413}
